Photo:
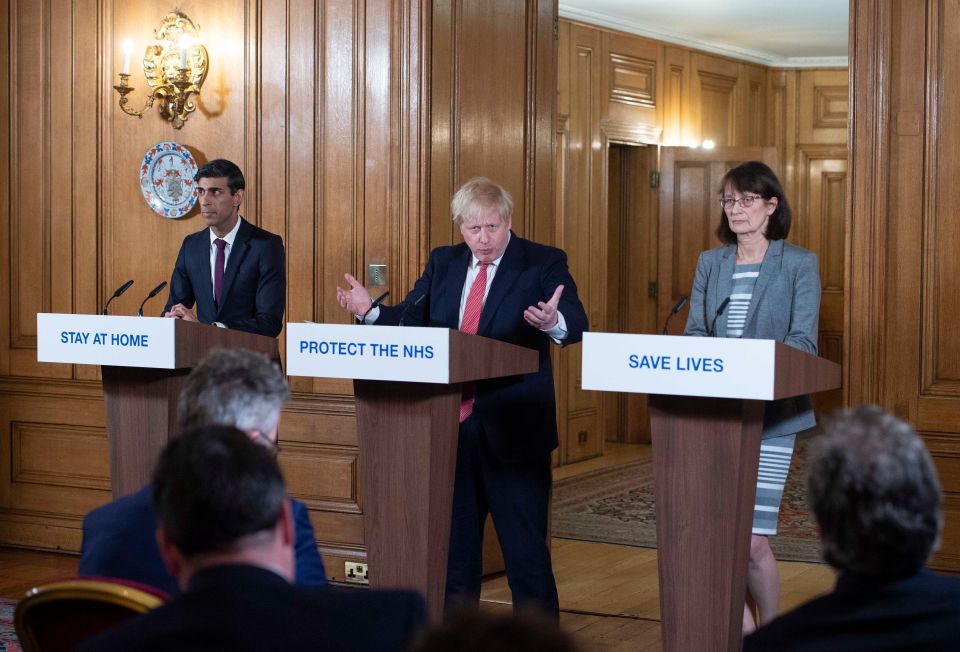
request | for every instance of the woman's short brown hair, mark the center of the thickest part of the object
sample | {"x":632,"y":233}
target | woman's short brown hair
{"x":758,"y":178}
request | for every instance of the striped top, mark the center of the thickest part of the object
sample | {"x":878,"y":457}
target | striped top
{"x":744,"y":279}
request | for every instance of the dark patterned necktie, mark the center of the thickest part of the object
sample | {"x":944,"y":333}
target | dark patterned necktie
{"x":218,"y":269}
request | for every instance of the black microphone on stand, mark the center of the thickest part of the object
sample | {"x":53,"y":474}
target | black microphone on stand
{"x":120,"y":290}
{"x":406,"y":311}
{"x":713,"y":325}
{"x":376,"y":303}
{"x":676,"y":309}
{"x":154,"y":292}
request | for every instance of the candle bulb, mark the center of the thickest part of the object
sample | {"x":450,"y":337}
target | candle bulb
{"x":183,"y":57}
{"x":127,"y":51}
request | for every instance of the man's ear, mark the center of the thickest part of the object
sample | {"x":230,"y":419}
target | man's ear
{"x":238,"y":197}
{"x":172,"y":557}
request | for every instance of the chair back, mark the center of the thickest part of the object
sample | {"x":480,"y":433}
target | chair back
{"x":56,"y":617}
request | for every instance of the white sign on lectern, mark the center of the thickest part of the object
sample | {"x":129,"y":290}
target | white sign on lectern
{"x":106,"y":340}
{"x":681,"y":366}
{"x":411,"y":354}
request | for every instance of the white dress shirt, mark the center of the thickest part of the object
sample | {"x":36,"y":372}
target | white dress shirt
{"x":230,"y":237}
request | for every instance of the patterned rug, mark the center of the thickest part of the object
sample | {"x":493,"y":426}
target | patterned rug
{"x":8,"y":636}
{"x":615,"y":505}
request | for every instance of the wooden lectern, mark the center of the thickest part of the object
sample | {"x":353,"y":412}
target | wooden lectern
{"x":707,"y":399}
{"x":144,"y":361}
{"x":407,"y":420}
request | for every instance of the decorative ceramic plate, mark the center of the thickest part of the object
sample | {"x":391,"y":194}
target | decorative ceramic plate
{"x":166,"y":179}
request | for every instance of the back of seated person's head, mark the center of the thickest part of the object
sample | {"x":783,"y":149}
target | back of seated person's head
{"x":874,"y":492}
{"x":216,"y":491}
{"x":233,"y":387}
{"x":478,"y":631}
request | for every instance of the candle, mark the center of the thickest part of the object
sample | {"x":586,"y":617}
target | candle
{"x":183,"y":55}
{"x":127,"y":51}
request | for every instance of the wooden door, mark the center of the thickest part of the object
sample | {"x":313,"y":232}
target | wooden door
{"x":631,"y":267}
{"x":689,"y":214}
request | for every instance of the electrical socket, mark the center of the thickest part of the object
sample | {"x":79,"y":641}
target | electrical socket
{"x":356,"y":573}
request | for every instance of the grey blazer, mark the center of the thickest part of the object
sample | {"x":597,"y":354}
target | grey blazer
{"x":785,"y":307}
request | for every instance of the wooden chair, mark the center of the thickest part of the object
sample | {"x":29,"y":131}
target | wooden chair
{"x":56,"y":617}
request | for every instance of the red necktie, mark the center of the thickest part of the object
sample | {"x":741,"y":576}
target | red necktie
{"x":469,"y":324}
{"x":218,"y":269}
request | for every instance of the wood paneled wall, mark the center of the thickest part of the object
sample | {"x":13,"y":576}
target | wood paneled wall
{"x":807,"y":122}
{"x":353,"y":120}
{"x":618,"y":89}
{"x":903,"y":273}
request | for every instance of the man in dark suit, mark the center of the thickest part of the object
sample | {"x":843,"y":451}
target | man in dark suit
{"x":226,"y":533}
{"x":233,"y":271}
{"x":501,"y":286}
{"x":875,"y":495}
{"x":233,"y":387}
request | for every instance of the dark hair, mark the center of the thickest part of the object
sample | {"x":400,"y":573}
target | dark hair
{"x":221,"y":167}
{"x":213,"y":486}
{"x":756,"y":177}
{"x":477,"y":631}
{"x":233,"y":387}
{"x":875,"y":494}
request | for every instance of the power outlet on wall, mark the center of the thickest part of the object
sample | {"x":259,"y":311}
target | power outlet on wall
{"x":356,"y":573}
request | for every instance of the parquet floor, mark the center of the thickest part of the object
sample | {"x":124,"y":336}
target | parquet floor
{"x":609,"y":597}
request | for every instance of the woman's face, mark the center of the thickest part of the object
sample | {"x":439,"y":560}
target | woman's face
{"x":749,"y":220}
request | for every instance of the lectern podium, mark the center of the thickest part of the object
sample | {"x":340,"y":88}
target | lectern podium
{"x":407,"y":383}
{"x":707,"y":400}
{"x":144,"y":361}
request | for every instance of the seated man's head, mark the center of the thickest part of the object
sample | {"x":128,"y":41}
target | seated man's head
{"x":875,"y":494}
{"x":234,"y":387}
{"x":219,"y":499}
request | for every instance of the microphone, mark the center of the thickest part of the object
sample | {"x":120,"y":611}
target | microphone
{"x":120,"y":290}
{"x":406,"y":311}
{"x":713,"y":325}
{"x":376,"y":303}
{"x":676,"y":309}
{"x":154,"y":292}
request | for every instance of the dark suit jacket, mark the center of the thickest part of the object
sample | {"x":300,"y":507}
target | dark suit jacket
{"x":241,"y":608}
{"x":785,"y":307}
{"x":919,"y":612}
{"x":254,"y":281}
{"x":518,"y":413}
{"x":118,"y":541}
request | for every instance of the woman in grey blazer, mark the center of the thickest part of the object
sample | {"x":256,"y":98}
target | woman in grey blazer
{"x":758,"y":286}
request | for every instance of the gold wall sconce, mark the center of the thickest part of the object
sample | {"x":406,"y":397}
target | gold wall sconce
{"x":175,"y":69}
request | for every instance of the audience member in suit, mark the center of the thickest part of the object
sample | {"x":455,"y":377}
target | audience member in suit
{"x":233,"y":271}
{"x":874,"y":492}
{"x":226,"y":532}
{"x":500,"y":286}
{"x":233,"y":387}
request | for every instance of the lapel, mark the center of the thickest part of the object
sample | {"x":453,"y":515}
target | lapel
{"x":769,"y":269}
{"x":510,"y":267}
{"x":237,"y":252}
{"x":203,"y":291}
{"x":453,"y":287}
{"x":724,"y":286}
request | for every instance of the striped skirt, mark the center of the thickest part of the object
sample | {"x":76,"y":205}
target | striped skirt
{"x":775,"y":457}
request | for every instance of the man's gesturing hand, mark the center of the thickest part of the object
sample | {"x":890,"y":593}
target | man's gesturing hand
{"x":544,"y":315}
{"x":357,"y":300}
